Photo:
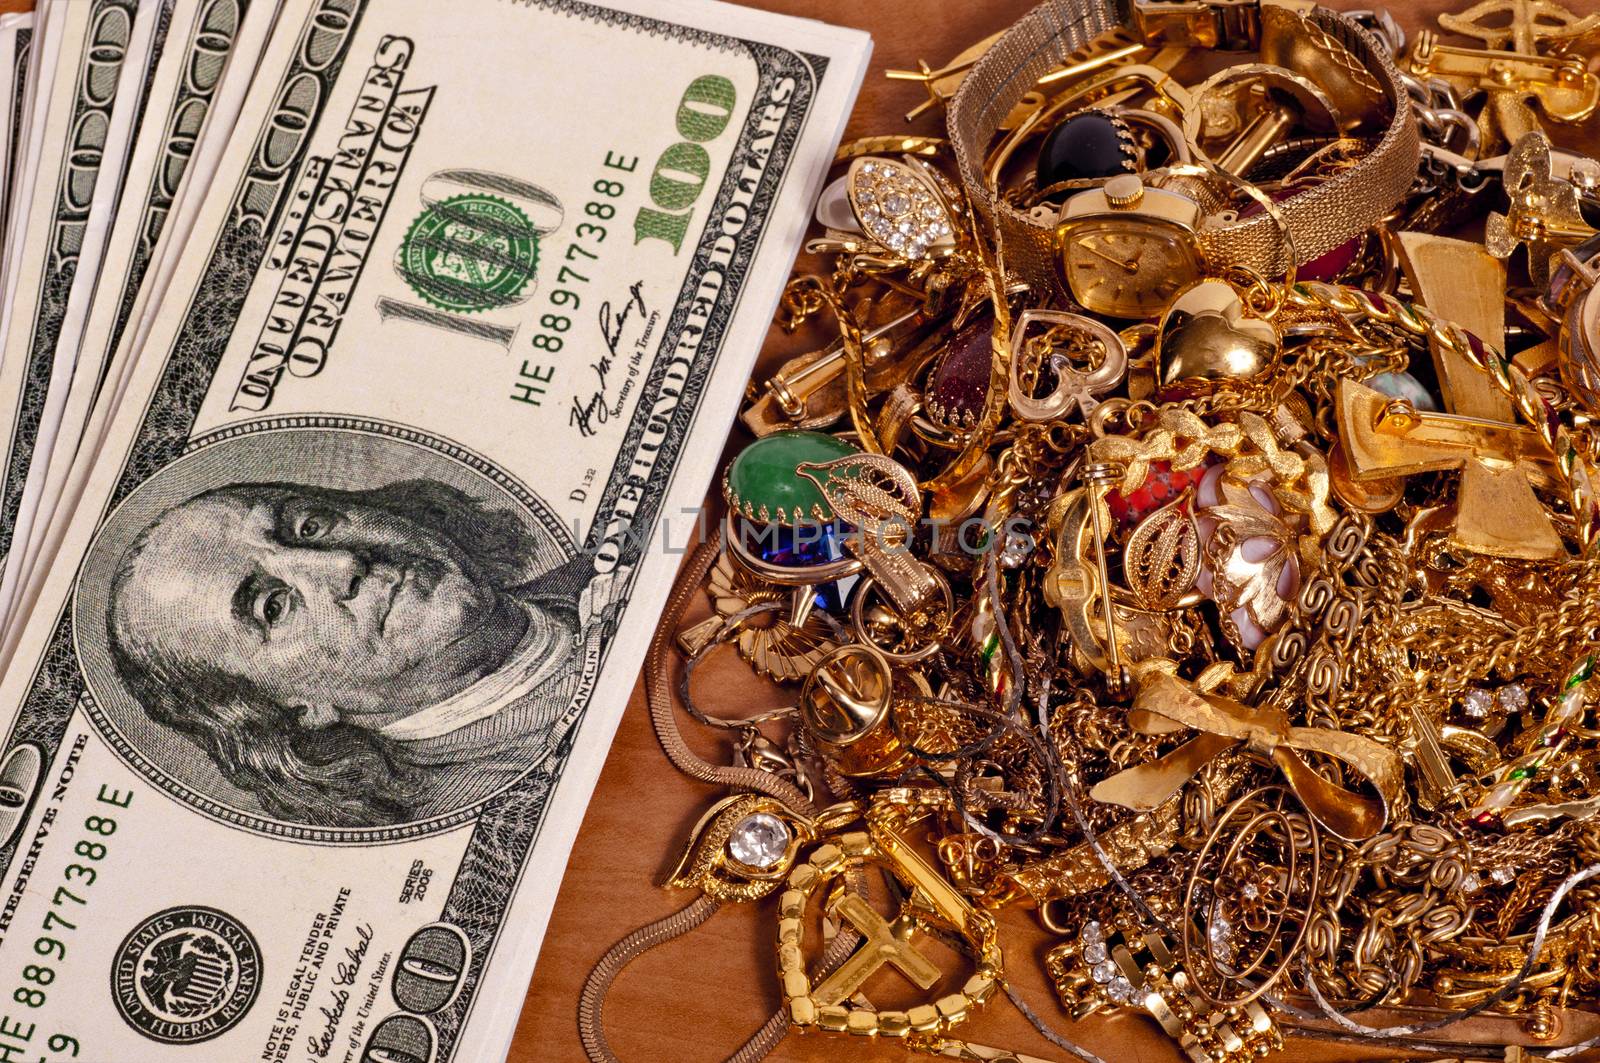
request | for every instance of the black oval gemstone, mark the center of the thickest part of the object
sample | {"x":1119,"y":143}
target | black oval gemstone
{"x":1087,"y":144}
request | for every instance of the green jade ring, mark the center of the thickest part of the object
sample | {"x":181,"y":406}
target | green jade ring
{"x":763,"y":485}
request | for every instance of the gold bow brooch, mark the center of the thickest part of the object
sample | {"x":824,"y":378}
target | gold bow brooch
{"x":1165,"y":701}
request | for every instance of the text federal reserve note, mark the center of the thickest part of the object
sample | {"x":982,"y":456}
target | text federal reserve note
{"x":318,"y":685}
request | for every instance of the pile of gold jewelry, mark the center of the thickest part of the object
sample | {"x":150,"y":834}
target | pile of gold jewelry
{"x":1189,"y":535}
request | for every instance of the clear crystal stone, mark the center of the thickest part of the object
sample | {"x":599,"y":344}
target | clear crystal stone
{"x":1017,"y":548}
{"x":1502,"y":875}
{"x":1477,"y":704}
{"x":905,"y":226}
{"x":1249,"y":891}
{"x":759,"y":840}
{"x":1220,"y":936}
{"x":1120,"y":990}
{"x":866,"y":195}
{"x":916,"y":249}
{"x":897,"y":203}
{"x":869,"y":167}
{"x":1513,"y":697}
{"x":1471,"y":883}
{"x":1094,"y":953}
{"x":897,"y":241}
{"x":1092,"y":933}
{"x":1104,"y":971}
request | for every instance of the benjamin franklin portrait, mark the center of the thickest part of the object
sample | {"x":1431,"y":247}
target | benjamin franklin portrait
{"x":349,"y":656}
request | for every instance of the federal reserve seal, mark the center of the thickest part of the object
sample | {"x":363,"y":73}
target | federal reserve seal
{"x":470,"y":253}
{"x":186,"y":975}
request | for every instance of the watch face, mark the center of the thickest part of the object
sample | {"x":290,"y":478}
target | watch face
{"x":1128,"y":267}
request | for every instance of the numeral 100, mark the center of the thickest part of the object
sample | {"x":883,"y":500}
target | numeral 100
{"x":681,"y":171}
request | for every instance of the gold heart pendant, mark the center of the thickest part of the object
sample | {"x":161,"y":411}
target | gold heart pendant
{"x":1208,"y":334}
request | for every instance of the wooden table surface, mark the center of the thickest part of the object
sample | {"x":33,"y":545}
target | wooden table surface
{"x":698,"y":998}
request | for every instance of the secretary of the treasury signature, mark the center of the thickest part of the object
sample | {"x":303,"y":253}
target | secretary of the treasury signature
{"x":589,"y":413}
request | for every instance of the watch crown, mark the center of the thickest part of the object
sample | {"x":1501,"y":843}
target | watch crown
{"x":1124,"y":191}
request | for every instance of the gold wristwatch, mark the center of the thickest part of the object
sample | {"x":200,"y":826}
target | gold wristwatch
{"x":1167,"y":227}
{"x":1126,"y":250}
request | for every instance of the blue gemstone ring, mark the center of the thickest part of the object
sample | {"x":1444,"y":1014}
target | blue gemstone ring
{"x":788,"y":559}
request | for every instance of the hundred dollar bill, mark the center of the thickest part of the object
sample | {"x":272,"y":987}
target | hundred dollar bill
{"x":204,"y":41}
{"x":16,"y":34}
{"x":305,"y":716}
{"x":44,"y":47}
{"x":93,"y":96}
{"x":102,"y":146}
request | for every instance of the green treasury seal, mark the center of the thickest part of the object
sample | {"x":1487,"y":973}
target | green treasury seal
{"x":470,"y":253}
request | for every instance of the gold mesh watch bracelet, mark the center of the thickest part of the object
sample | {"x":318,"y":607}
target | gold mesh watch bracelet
{"x":1295,"y":34}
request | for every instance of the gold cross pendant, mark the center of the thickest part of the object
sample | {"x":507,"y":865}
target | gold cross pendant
{"x":930,"y":901}
{"x":886,"y":944}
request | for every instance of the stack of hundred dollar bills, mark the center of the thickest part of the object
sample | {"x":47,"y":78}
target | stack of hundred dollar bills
{"x":365,"y":364}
